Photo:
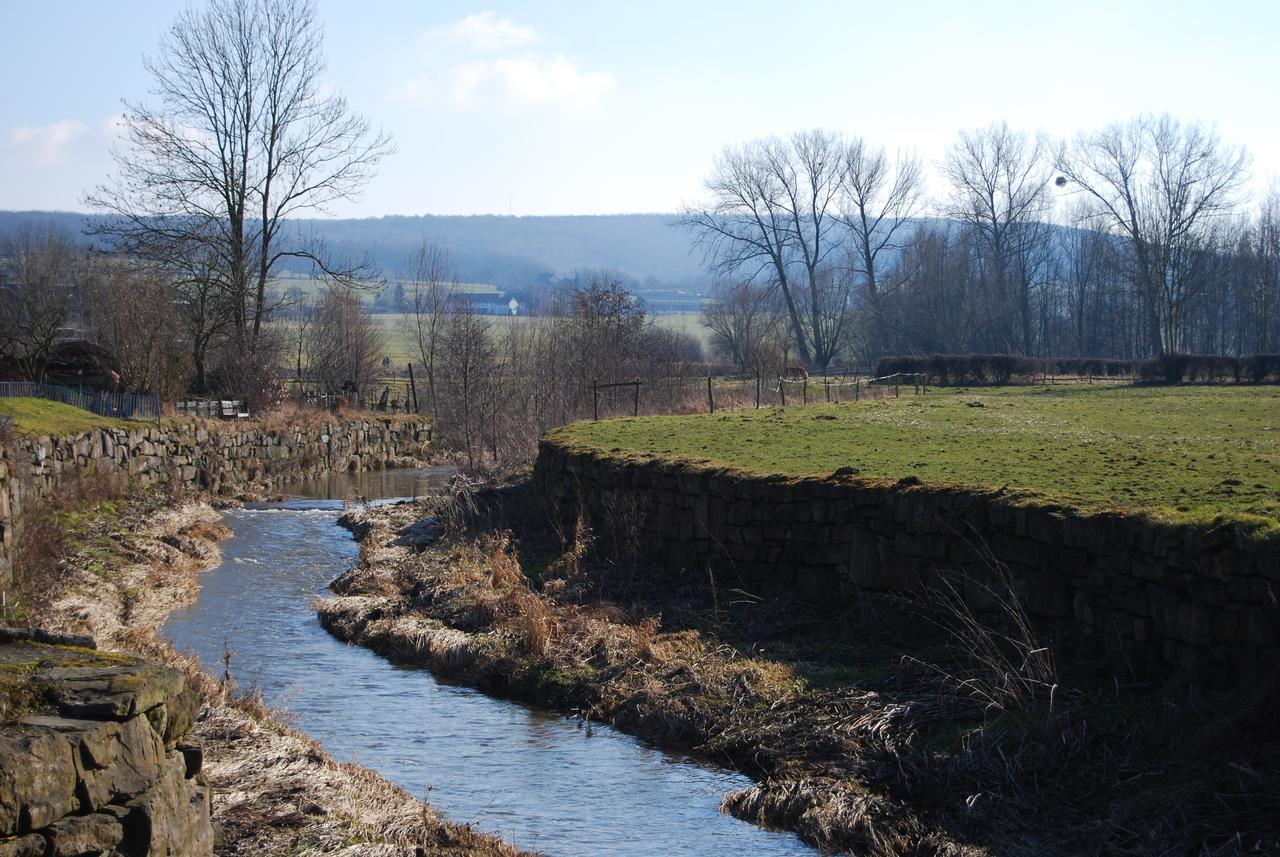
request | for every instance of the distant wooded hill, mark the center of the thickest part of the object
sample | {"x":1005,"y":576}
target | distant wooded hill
{"x":504,"y":251}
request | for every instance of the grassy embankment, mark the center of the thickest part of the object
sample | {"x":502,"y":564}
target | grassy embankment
{"x":1182,"y":455}
{"x":42,"y":417}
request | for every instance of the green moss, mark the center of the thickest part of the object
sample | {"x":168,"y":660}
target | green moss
{"x":549,"y":680}
{"x":41,"y":417}
{"x":1197,"y":455}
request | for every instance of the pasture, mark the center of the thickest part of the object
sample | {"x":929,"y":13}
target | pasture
{"x":399,"y":345}
{"x":1197,"y":455}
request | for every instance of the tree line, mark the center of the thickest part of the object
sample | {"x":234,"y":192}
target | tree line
{"x":1136,"y":240}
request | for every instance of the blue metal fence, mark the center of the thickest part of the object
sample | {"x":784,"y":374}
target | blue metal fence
{"x":126,"y":406}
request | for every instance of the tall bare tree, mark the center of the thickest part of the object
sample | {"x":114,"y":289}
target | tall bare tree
{"x":1163,"y":186}
{"x":772,"y":217}
{"x":241,"y":136}
{"x":878,"y":198}
{"x":1000,"y":180}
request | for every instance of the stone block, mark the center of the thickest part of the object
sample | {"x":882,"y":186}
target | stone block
{"x":31,"y":845}
{"x":37,"y":779}
{"x":78,"y":835}
{"x":172,"y":818}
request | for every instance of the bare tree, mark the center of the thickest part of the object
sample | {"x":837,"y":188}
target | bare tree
{"x":243,"y":135}
{"x":1000,"y":181}
{"x":1264,"y":275}
{"x":131,"y":312}
{"x":878,"y":199}
{"x":42,"y":277}
{"x":746,"y":324}
{"x":1162,"y":185}
{"x":431,"y":294}
{"x":771,"y":218}
{"x":467,"y":377}
{"x":344,"y":347}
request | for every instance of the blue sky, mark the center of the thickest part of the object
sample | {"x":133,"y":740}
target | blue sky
{"x":589,"y":108}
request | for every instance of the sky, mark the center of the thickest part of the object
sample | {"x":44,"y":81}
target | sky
{"x":606,"y":107}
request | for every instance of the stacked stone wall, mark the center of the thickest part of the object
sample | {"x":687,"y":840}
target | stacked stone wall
{"x":1156,"y":597}
{"x":207,"y":455}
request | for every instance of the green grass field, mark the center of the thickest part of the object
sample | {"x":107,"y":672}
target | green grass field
{"x":39,"y":416}
{"x":1182,"y":455}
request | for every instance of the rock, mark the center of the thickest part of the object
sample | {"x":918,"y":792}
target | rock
{"x":31,"y":845}
{"x":181,"y":712}
{"x":114,"y":760}
{"x":170,"y":819}
{"x":116,"y":692}
{"x":49,"y":638}
{"x":80,"y":835}
{"x":193,"y":756}
{"x":37,"y":779}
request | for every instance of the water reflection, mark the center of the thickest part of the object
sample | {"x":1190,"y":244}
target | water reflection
{"x":537,"y":778}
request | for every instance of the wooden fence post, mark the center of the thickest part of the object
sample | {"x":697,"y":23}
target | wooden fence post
{"x":635,"y":400}
{"x":782,"y":390}
{"x":804,"y":392}
{"x":413,"y":387}
{"x":757,"y":389}
{"x":826,"y":383}
{"x":595,"y":399}
{"x":711,"y":399}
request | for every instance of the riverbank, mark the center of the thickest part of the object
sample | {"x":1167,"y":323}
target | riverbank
{"x":126,"y":565}
{"x":866,"y":728}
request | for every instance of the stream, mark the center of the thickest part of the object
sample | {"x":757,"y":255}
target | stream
{"x":534,"y":777}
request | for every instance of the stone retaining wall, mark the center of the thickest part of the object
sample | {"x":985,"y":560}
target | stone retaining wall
{"x":1157,"y":597}
{"x":209,"y":455}
{"x":94,"y":759}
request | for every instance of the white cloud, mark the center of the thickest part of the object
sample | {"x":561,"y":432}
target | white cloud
{"x":514,"y":81}
{"x":47,"y":142}
{"x":484,"y":31}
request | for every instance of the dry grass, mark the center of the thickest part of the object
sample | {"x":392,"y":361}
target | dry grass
{"x":974,"y":743}
{"x":276,"y":791}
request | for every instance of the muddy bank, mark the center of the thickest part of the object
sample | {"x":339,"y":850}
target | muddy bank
{"x":872,"y":730}
{"x":275,"y":791}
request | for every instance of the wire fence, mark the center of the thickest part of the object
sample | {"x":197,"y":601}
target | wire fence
{"x":125,"y":406}
{"x":712,"y":393}
{"x":505,"y":397}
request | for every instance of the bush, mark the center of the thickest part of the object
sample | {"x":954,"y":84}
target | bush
{"x":1209,"y":369}
{"x":976,"y":369}
{"x":945,"y":369}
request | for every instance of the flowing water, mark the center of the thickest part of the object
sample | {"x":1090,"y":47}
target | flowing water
{"x":541,"y":780}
